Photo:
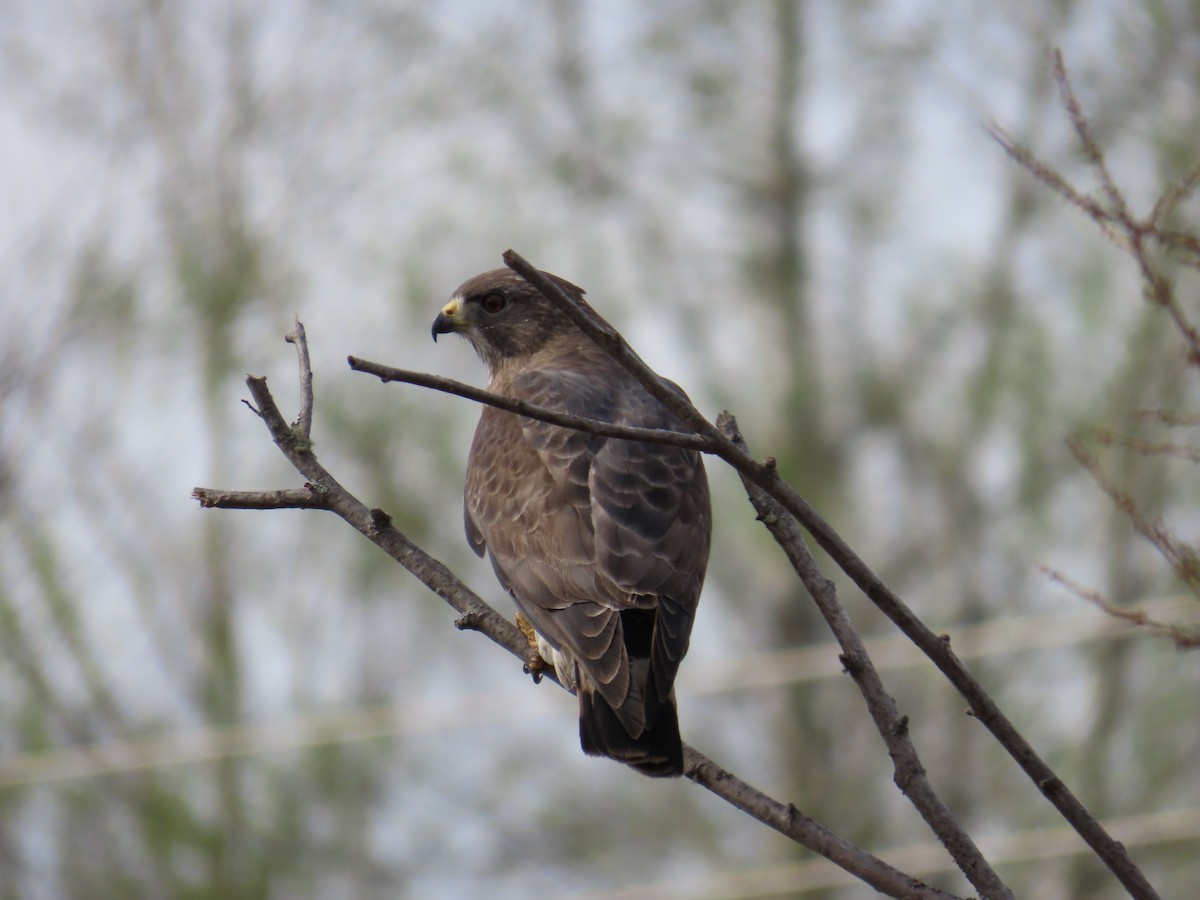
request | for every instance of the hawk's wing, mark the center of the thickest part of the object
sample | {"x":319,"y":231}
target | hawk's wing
{"x":582,"y":529}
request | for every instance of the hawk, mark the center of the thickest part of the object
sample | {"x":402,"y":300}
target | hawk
{"x":601,"y":542}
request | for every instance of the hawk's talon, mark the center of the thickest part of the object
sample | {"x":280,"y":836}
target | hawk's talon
{"x":535,"y":665}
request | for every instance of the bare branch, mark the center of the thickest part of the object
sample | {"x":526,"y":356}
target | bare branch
{"x":288,"y":498}
{"x":1094,"y":153}
{"x":983,"y":707}
{"x":1175,"y":194}
{"x":1185,"y":246}
{"x":1184,"y":638}
{"x":298,"y":337}
{"x":477,"y":615}
{"x":1188,"y":452}
{"x":909,"y":774}
{"x":1179,"y":556}
{"x":530,"y":411}
{"x":1164,"y":417}
{"x":1116,"y":221}
{"x":1051,"y":177}
{"x":374,"y":524}
{"x":789,"y":821}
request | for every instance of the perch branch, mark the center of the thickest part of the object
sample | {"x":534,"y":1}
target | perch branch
{"x":477,"y":615}
{"x":789,"y":821}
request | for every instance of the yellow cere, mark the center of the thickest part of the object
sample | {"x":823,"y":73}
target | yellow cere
{"x":451,"y":308}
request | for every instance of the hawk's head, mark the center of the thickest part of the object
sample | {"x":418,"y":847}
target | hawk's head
{"x":504,"y":316}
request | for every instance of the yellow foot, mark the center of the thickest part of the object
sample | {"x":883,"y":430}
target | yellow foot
{"x":534,"y":664}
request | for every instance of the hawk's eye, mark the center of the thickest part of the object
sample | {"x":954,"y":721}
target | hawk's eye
{"x":493,"y":303}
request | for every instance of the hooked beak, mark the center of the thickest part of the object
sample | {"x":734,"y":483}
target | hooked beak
{"x":448,"y":320}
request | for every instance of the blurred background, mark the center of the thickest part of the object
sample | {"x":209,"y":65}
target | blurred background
{"x":794,"y":210}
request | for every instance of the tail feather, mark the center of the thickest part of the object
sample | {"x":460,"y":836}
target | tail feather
{"x":657,"y":751}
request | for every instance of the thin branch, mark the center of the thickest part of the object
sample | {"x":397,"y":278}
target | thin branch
{"x":1093,"y":150}
{"x":1164,"y":417}
{"x":909,"y":775}
{"x":374,"y":524}
{"x":983,"y":707}
{"x":1158,"y":289}
{"x":1174,"y":195}
{"x":1184,"y":638}
{"x":1188,"y":452}
{"x":1116,"y":222}
{"x":1050,"y":177}
{"x":531,"y":411}
{"x":477,"y":615}
{"x":1184,"y":245}
{"x":300,"y":340}
{"x":1179,"y":556}
{"x":288,"y":498}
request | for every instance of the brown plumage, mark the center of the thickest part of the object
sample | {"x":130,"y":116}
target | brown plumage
{"x":602,"y":542}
